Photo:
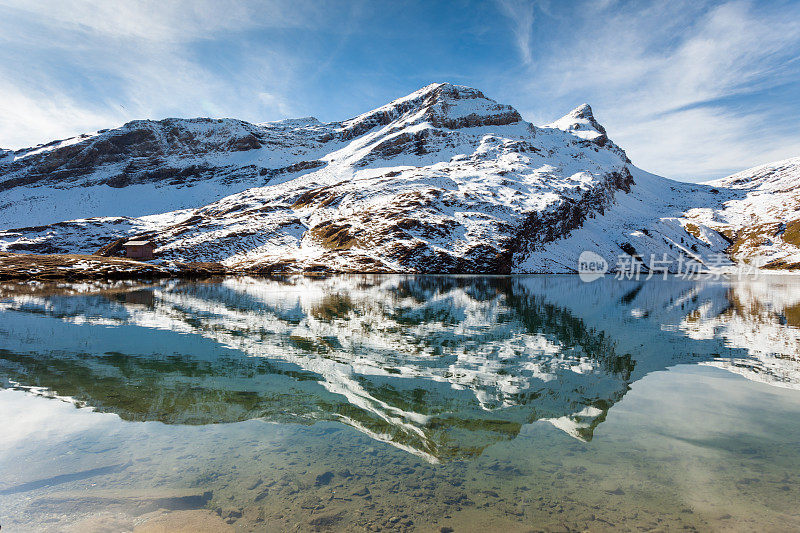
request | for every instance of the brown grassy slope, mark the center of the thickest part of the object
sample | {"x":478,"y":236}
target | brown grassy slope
{"x":74,"y":266}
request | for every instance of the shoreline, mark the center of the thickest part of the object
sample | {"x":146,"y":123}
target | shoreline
{"x":75,"y":267}
{"x":78,"y":267}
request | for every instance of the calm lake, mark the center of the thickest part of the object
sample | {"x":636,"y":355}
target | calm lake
{"x":400,"y":403}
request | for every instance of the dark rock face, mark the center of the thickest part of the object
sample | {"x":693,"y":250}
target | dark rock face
{"x":567,"y":215}
{"x":581,"y":120}
{"x":433,"y":104}
{"x":171,"y":151}
{"x":585,"y":112}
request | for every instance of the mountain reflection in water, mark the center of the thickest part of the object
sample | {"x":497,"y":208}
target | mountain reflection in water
{"x":439,"y":366}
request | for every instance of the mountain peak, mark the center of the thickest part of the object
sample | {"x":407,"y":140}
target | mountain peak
{"x":447,"y":94}
{"x":581,"y":122}
{"x":449,"y":90}
{"x":582,"y":111}
{"x":442,"y":105}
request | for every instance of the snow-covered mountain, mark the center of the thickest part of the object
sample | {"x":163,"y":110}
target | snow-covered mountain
{"x":442,"y":180}
{"x":761,"y":216}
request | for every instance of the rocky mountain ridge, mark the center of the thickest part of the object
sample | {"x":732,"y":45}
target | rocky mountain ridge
{"x":442,"y":180}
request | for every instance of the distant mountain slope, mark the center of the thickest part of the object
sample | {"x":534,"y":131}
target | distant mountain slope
{"x":442,"y":180}
{"x":148,"y":167}
{"x":762,"y":216}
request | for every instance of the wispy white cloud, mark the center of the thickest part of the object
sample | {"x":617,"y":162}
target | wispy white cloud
{"x":521,"y":15}
{"x":158,"y":21}
{"x":38,"y":116}
{"x":703,"y":143}
{"x":89,"y":65}
{"x":277,"y":101}
{"x":661,"y":76}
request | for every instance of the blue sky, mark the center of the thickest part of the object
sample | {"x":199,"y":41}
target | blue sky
{"x":691,"y":90}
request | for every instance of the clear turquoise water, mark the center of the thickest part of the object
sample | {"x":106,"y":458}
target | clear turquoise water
{"x":401,"y":403}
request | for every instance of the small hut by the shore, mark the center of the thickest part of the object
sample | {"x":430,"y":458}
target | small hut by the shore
{"x":139,"y":249}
